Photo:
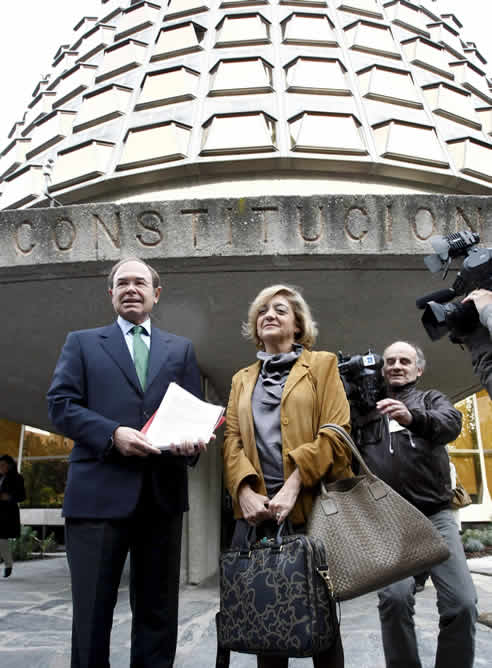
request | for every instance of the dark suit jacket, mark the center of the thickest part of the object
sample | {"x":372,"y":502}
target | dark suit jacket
{"x":94,"y":390}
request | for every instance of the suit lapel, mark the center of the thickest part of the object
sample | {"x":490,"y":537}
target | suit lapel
{"x":113,"y":342}
{"x":159,"y":354}
{"x":249,"y":378}
{"x":297,"y":373}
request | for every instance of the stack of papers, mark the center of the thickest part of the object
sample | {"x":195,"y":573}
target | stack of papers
{"x":182,"y":417}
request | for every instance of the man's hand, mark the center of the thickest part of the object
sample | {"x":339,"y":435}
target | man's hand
{"x":4,"y":496}
{"x":481,"y":298}
{"x":395,"y":410}
{"x":254,"y":506}
{"x":189,"y":448}
{"x":284,"y":500}
{"x":132,"y":442}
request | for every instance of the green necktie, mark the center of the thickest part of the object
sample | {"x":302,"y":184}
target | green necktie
{"x":140,"y":354}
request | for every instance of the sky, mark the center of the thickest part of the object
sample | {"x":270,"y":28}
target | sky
{"x":32,"y":30}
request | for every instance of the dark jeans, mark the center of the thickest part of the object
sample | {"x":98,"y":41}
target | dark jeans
{"x":456,"y":602}
{"x":332,"y":658}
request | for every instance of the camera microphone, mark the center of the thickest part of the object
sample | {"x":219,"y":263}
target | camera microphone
{"x":440,"y":296}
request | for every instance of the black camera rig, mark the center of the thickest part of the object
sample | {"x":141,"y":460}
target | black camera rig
{"x":457,"y":319}
{"x":363,"y":381}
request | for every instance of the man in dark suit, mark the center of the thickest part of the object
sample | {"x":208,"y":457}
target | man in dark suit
{"x":123,"y":495}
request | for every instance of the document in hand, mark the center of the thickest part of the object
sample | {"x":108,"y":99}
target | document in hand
{"x":182,"y":417}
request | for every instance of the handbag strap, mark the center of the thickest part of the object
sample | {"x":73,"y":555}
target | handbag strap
{"x":223,"y":656}
{"x":349,"y":441}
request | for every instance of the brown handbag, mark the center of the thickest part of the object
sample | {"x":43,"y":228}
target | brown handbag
{"x":372,"y":535}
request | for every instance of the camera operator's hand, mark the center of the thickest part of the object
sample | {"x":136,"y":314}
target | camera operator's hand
{"x":395,"y":410}
{"x":481,"y":298}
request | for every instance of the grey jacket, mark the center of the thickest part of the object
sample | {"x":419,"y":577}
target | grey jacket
{"x":413,"y":460}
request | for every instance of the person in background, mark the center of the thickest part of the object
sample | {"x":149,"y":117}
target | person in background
{"x":275,"y":452}
{"x":11,"y":494}
{"x":479,"y":342}
{"x":403,"y":442}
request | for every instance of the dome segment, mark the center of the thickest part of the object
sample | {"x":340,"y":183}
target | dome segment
{"x":195,"y":98}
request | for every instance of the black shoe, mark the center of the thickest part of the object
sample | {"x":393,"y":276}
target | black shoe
{"x":7,"y":571}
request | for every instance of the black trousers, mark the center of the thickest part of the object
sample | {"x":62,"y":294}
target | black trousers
{"x":96,"y":551}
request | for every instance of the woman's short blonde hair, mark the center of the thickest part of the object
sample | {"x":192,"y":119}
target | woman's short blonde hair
{"x":308,"y":329}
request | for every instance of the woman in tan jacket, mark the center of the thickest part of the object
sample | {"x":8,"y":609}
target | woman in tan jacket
{"x":275,"y":452}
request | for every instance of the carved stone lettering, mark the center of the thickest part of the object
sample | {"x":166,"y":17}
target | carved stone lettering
{"x":111,"y":233}
{"x":463,"y":222}
{"x":262,"y":211}
{"x":424,"y":225}
{"x":356,"y":223}
{"x":195,"y":217}
{"x":151,"y":223}
{"x":23,"y":237}
{"x":310,"y":223}
{"x":64,"y":233}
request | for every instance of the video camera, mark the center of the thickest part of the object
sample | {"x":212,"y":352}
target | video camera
{"x":362,"y":379}
{"x":458,"y":319}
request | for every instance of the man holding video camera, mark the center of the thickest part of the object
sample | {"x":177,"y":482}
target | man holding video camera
{"x":479,"y":342}
{"x":462,"y":320}
{"x":403,"y":442}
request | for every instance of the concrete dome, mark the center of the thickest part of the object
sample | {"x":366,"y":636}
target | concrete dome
{"x":194,"y":98}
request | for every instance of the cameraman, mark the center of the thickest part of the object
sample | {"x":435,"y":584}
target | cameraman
{"x":403,"y":442}
{"x":479,"y":341}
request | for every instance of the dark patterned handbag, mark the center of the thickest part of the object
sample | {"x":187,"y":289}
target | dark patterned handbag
{"x":275,"y":598}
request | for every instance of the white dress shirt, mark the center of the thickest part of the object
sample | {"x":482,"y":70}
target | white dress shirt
{"x":126,"y":327}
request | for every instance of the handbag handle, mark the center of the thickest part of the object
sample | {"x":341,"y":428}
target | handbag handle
{"x":349,"y":441}
{"x":250,"y":536}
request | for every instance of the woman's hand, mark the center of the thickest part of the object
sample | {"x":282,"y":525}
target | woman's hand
{"x":284,"y":500}
{"x":254,"y":506}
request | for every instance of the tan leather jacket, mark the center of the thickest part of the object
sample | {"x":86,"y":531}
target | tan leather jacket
{"x":313,"y":395}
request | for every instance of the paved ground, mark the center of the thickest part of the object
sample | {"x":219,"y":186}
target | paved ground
{"x":35,"y":619}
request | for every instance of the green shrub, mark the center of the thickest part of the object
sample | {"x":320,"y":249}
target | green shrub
{"x":483,"y":535}
{"x":29,"y":546}
{"x":473,"y":545}
{"x":45,"y":545}
{"x":23,"y":546}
